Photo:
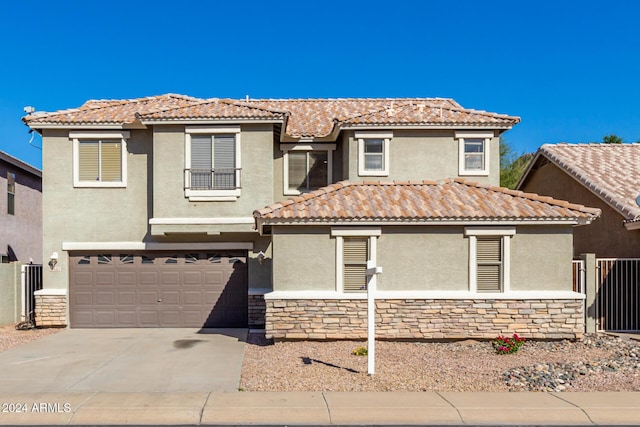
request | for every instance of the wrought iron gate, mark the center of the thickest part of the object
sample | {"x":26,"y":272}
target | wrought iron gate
{"x":618,"y":294}
{"x":31,"y":282}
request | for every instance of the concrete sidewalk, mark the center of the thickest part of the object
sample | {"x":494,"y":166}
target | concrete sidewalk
{"x":321,"y":408}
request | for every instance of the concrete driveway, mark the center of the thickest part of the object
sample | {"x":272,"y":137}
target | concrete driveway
{"x":118,"y":360}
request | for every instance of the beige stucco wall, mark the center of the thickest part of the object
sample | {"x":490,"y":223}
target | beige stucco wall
{"x":541,"y":258}
{"x":90,"y":214}
{"x":422,"y":154}
{"x":169,"y":200}
{"x":303,"y":259}
{"x":430,"y":258}
{"x":423,"y":258}
{"x":11,"y":293}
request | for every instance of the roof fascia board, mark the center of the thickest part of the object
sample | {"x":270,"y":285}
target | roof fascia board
{"x":568,"y":221}
{"x":74,"y":125}
{"x":17,"y":163}
{"x":632,"y":225}
{"x":451,"y":126}
{"x":525,"y":175}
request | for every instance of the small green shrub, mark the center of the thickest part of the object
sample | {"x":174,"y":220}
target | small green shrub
{"x":360,"y":351}
{"x":508,"y":345}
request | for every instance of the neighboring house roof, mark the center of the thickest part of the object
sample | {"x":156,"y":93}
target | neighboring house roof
{"x":15,"y":162}
{"x":610,"y":171}
{"x":312,"y":118}
{"x":421,"y":202}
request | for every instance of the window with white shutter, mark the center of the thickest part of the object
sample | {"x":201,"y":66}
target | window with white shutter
{"x":355,"y":255}
{"x":489,"y":260}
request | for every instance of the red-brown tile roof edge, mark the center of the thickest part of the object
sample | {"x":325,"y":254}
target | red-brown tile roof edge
{"x":595,"y":212}
{"x":269,"y":209}
{"x":582,"y":176}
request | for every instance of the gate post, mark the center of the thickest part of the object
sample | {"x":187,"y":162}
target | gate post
{"x":590,"y":275}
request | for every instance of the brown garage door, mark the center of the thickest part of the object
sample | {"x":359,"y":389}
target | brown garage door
{"x":149,"y":290}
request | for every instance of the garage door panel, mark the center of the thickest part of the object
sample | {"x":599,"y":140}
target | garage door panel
{"x":127,"y":318}
{"x":83,"y":278}
{"x":148,"y":278}
{"x":170,"y":278}
{"x":148,"y":297}
{"x":127,"y":278}
{"x":126,"y":298}
{"x":192,"y":297}
{"x":105,"y":297}
{"x":158,"y":290}
{"x":104,"y":317}
{"x":148,"y":318}
{"x":170,"y":297}
{"x":82,"y":298}
{"x":192,"y":278}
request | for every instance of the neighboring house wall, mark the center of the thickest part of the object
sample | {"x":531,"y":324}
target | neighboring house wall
{"x":606,"y":236}
{"x":21,"y":233}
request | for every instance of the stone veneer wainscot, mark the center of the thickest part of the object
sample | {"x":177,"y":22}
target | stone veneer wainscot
{"x":51,"y":308}
{"x":418,"y":319}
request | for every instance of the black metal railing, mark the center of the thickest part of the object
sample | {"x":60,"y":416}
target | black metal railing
{"x":213,"y":179}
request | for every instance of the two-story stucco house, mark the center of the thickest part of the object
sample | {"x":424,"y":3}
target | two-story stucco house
{"x":170,"y":211}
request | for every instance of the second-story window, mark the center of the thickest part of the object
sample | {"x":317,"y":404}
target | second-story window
{"x":11,"y":193}
{"x":307,"y":167}
{"x":99,"y":158}
{"x":212,"y":163}
{"x":373,"y":153}
{"x":473,"y":148}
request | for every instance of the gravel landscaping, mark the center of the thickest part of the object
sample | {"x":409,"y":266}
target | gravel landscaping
{"x":11,"y":337}
{"x":594,"y":363}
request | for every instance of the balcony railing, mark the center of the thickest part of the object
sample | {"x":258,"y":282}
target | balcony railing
{"x":210,"y":179}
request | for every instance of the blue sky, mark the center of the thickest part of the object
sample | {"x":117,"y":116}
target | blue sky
{"x":570,"y":70}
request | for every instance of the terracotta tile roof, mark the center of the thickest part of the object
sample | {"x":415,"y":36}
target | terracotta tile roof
{"x":110,"y":111}
{"x":303,"y":117}
{"x":610,"y":171}
{"x":421,"y":201}
{"x":214,"y":109}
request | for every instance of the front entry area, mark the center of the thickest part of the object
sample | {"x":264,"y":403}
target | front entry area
{"x":158,"y":290}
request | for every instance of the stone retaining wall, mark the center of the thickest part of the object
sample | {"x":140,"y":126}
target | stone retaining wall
{"x":424,"y":319}
{"x":51,"y":310}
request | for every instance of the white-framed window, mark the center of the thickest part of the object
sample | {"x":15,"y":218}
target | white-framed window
{"x":306,"y":167}
{"x":354,"y":247}
{"x":473,"y":149}
{"x":489,"y":258}
{"x":373,"y":152}
{"x":212,"y":170}
{"x":99,"y":158}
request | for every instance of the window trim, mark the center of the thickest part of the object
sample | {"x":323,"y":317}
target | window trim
{"x":11,"y":195}
{"x":386,"y":137}
{"x":285,"y":148}
{"x":505,"y":233}
{"x":486,"y":136}
{"x":211,"y":195}
{"x":340,"y":233}
{"x":77,"y":136}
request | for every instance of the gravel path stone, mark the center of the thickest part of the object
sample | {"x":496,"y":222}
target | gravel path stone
{"x":594,"y":363}
{"x":11,"y":337}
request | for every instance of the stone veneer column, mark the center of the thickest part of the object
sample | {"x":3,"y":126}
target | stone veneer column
{"x":257,"y":310}
{"x":425,"y":319}
{"x":51,"y":308}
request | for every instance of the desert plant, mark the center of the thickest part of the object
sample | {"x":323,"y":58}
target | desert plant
{"x":360,"y":351}
{"x":508,"y":345}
